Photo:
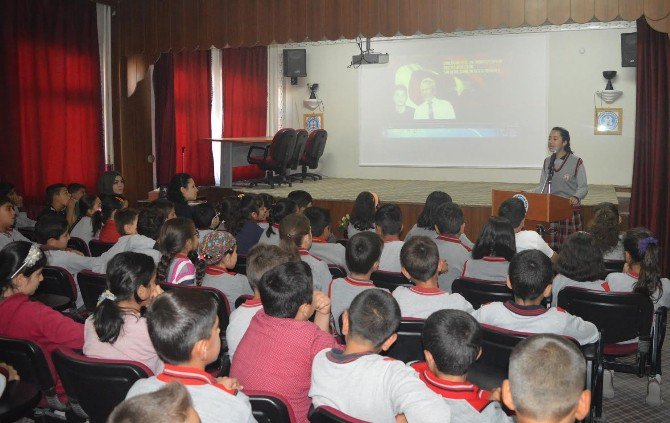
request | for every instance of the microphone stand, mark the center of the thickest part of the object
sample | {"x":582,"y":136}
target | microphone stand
{"x":547,"y":183}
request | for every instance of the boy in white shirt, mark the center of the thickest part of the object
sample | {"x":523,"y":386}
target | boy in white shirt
{"x":450,"y":224}
{"x":388,"y":225}
{"x":514,"y":210}
{"x":422,"y":265}
{"x":365,"y":385}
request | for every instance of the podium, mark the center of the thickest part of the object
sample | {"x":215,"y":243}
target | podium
{"x":542,"y":208}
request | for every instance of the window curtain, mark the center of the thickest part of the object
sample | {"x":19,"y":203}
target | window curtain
{"x":650,"y":198}
{"x":50,"y":100}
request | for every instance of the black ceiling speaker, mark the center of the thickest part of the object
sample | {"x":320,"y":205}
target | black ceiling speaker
{"x":629,"y":50}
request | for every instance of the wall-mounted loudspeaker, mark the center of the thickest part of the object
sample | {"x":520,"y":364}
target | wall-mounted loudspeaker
{"x":629,"y":50}
{"x":295,"y":63}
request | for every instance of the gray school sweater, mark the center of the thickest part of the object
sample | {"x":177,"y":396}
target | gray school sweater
{"x":569,"y":177}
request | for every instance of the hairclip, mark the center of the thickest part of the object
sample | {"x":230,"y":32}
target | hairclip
{"x":33,"y":256}
{"x":240,"y":196}
{"x":645,"y":243}
{"x":106,"y":295}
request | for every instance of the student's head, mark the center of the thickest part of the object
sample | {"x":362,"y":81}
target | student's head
{"x":451,"y":341}
{"x":641,"y":248}
{"x":419,"y":259}
{"x":57,"y":196}
{"x":184,"y":326}
{"x":496,"y":239}
{"x":205,"y":216}
{"x":52,"y":230}
{"x":319,"y":220}
{"x":131,"y":277}
{"x":7,"y":214}
{"x":21,"y":265}
{"x":125,"y":221}
{"x":388,"y":220}
{"x":434,"y":199}
{"x":372,"y":319}
{"x":227,"y":209}
{"x":263,"y":257}
{"x":279,"y":211}
{"x":559,"y":138}
{"x":111,"y":183}
{"x":149,"y":222}
{"x":530,"y":275}
{"x":362,"y":215}
{"x":604,"y":226}
{"x":219,"y":248}
{"x":363,"y":252}
{"x":110,"y":205}
{"x":165,"y":207}
{"x":8,"y":190}
{"x":546,"y":380}
{"x":182,"y":189}
{"x":268,"y":201}
{"x":581,"y":259}
{"x":170,"y":404}
{"x":248,"y":208}
{"x":513,"y":210}
{"x":286,"y":291}
{"x":177,"y":236}
{"x":76,"y":190}
{"x":90,"y":204}
{"x":302,"y":199}
{"x":449,"y":219}
{"x":295,"y":233}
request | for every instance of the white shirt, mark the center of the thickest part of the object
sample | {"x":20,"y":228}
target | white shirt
{"x":11,"y":236}
{"x":420,"y":303}
{"x":84,"y":230}
{"x":442,"y":109}
{"x":331,"y":253}
{"x":135,"y":243}
{"x":531,"y":240}
{"x":239,"y":323}
{"x":233,"y":285}
{"x":390,"y":258}
{"x":624,"y":282}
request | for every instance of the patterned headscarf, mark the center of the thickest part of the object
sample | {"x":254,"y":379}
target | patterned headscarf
{"x":215,"y":245}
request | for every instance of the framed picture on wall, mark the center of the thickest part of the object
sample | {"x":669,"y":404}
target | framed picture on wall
{"x":313,"y":121}
{"x":607,"y":121}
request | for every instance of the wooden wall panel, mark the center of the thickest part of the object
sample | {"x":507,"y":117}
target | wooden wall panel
{"x":467,"y":15}
{"x":661,"y":25}
{"x":427,"y":16}
{"x":331,"y":25}
{"x":492,"y":13}
{"x":656,"y":9}
{"x":558,"y":11}
{"x":606,"y":10}
{"x":298,"y":20}
{"x":315,"y":17}
{"x":536,"y":12}
{"x":582,"y":11}
{"x":265,"y":22}
{"x":282,"y":21}
{"x":369,"y":18}
{"x":388,"y":17}
{"x":408,"y":17}
{"x":515,"y":13}
{"x":349,"y":21}
{"x":630,"y":10}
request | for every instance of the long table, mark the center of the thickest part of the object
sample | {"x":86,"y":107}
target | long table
{"x":227,"y":154}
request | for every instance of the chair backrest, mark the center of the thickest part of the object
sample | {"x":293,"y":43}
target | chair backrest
{"x":96,"y":385}
{"x":268,"y":407}
{"x":299,"y":149}
{"x":389,"y":280}
{"x":613,"y":266}
{"x":316,"y":144}
{"x":79,"y":245}
{"x":222,"y":306}
{"x":282,"y":146}
{"x":337,"y":271}
{"x":91,"y":285}
{"x":97,"y":248}
{"x":479,"y":292}
{"x":326,"y":414}
{"x":57,"y":281}
{"x":619,"y":316}
{"x":408,"y":347}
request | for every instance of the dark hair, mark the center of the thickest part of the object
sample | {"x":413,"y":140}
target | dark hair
{"x":5,"y":200}
{"x":86,"y":203}
{"x":434,"y":199}
{"x":643,"y":248}
{"x":420,"y":258}
{"x":454,"y":339}
{"x":319,"y":219}
{"x":11,"y":259}
{"x":529,"y":274}
{"x":362,"y":251}
{"x":124,"y":217}
{"x":227,"y":210}
{"x":163,"y":206}
{"x":286,"y":287}
{"x":362,"y":216}
{"x":126,"y":272}
{"x":496,"y":239}
{"x":106,"y":183}
{"x":513,"y":210}
{"x":389,"y":218}
{"x":177,"y":320}
{"x":52,"y":191}
{"x":74,"y":187}
{"x":267,"y":199}
{"x":374,"y":315}
{"x":605,"y":226}
{"x":149,"y":222}
{"x":580,"y":259}
{"x":449,"y":218}
{"x":249,"y":203}
{"x":292,"y":229}
{"x":300,"y":197}
{"x":263,"y":257}
{"x":6,"y":188}
{"x":279,"y":211}
{"x":172,"y":239}
{"x":203,"y":214}
{"x":109,"y":204}
{"x":170,"y":404}
{"x":565,"y":136}
{"x":178,"y":181}
{"x":50,"y":226}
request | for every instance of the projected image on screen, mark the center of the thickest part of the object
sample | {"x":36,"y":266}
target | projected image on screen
{"x":468,"y":101}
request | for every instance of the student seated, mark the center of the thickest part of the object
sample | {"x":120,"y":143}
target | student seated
{"x":580,"y":264}
{"x":244,"y":220}
{"x":219,"y":252}
{"x":184,"y":329}
{"x":362,"y":255}
{"x":76,"y":191}
{"x":546,"y":381}
{"x":22,"y":221}
{"x":279,"y":211}
{"x":180,"y":191}
{"x":330,"y":252}
{"x":362,"y":216}
{"x":110,"y":206}
{"x":425,"y":224}
{"x":422,"y":265}
{"x":261,"y":258}
{"x":388,"y":225}
{"x":21,"y":265}
{"x":276,"y":353}
{"x":365,"y":385}
{"x":178,"y":243}
{"x":449,"y":224}
{"x":59,"y":202}
{"x":89,"y":223}
{"x":492,"y":252}
{"x":8,"y":233}
{"x":513,"y":210}
{"x":165,"y":208}
{"x":302,"y":199}
{"x":452,"y":343}
{"x":529,"y":279}
{"x":605,"y":229}
{"x":170,"y":404}
{"x":117,"y":330}
{"x":206,"y":219}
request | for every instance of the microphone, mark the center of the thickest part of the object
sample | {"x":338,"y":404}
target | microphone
{"x":552,"y":160}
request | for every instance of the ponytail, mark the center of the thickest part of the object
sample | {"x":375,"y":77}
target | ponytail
{"x":108,"y":321}
{"x":200,"y":266}
{"x":163,"y":266}
{"x":643,"y":249}
{"x":174,"y":235}
{"x":292,"y":231}
{"x":279,"y":211}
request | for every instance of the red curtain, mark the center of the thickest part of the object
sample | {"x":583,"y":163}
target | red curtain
{"x":166,"y":159}
{"x":50,"y":102}
{"x":650,"y":199}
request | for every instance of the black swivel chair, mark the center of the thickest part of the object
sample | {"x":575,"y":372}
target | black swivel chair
{"x":316,"y":144}
{"x":274,"y":158}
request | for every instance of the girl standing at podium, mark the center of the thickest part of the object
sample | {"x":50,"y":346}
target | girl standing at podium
{"x":563,"y":174}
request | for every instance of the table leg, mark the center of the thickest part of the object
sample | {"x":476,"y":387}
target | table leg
{"x":226,"y":165}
